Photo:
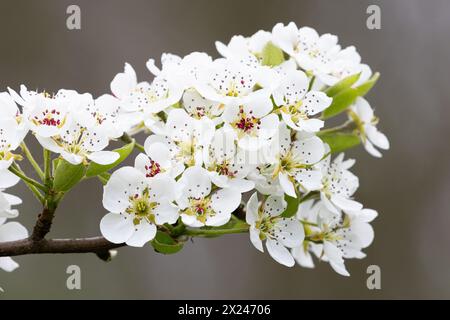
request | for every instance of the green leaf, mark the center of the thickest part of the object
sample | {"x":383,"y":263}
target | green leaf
{"x":340,"y":141}
{"x":95,"y":169}
{"x":292,"y":206}
{"x":342,"y":85}
{"x":341,"y":101}
{"x":165,"y":244}
{"x":67,"y":175}
{"x":272,"y":55}
{"x":364,"y":88}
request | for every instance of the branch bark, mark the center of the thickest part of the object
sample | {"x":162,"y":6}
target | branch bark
{"x":97,"y":245}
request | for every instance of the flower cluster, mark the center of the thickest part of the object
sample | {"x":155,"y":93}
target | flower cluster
{"x":246,"y":130}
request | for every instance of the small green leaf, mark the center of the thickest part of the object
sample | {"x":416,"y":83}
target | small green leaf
{"x":364,"y":88}
{"x":292,"y":206}
{"x":272,"y":55}
{"x":95,"y":169}
{"x":341,"y":101}
{"x":340,"y":141}
{"x":67,"y":175}
{"x":342,"y":85}
{"x":165,"y":244}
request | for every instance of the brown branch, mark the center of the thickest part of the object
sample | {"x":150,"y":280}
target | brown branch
{"x":43,"y":224}
{"x":97,"y":245}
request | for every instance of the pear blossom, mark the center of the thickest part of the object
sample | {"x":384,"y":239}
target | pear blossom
{"x":46,"y":114}
{"x":78,"y":143}
{"x":280,"y":233}
{"x":297,"y":104}
{"x":245,"y":50}
{"x":107,"y":115}
{"x":227,"y":165}
{"x":296,"y":164}
{"x":312,"y":51}
{"x":136,"y":207}
{"x":338,"y":185}
{"x":202,"y":206}
{"x":343,"y":237}
{"x":158,"y":160}
{"x":229,"y":82}
{"x":253,"y":123}
{"x":144,"y":99}
{"x":185,"y":137}
{"x":362,"y":114}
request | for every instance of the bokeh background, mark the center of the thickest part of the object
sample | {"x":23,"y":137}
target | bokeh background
{"x":410,"y":186}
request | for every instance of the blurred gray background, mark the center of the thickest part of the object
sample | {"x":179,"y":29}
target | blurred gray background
{"x":410,"y":186}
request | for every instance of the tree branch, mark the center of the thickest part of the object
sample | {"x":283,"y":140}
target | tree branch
{"x":96,"y":245}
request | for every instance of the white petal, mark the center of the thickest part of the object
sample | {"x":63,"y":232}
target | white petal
{"x":315,"y":102}
{"x":254,"y":238}
{"x":123,"y":83}
{"x":166,"y":213}
{"x":290,"y":232}
{"x":279,"y":253}
{"x":12,"y":231}
{"x":287,"y":184}
{"x":104,"y":157}
{"x":143,"y":233}
{"x":377,"y":138}
{"x":196,"y":181}
{"x":303,"y":257}
{"x":345,"y":204}
{"x":225,"y":201}
{"x":8,"y":179}
{"x":274,"y":206}
{"x":251,"y":212}
{"x":160,"y":153}
{"x":8,"y":264}
{"x":117,"y":228}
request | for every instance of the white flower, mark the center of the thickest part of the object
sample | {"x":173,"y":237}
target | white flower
{"x":182,"y":71}
{"x":312,"y":52}
{"x":295,"y":165}
{"x":106,"y":114}
{"x":253,"y":123}
{"x":158,"y":160}
{"x":12,"y":130}
{"x":199,"y":107}
{"x":142,"y":98}
{"x":266,"y":223}
{"x":345,"y":63}
{"x":362,"y":114}
{"x":245,"y":50}
{"x":46,"y":114}
{"x":200,"y":206}
{"x":136,"y":206}
{"x":339,"y":184}
{"x":228,"y":82}
{"x":342,"y":237}
{"x":227,"y":165}
{"x":77,"y":142}
{"x":185,"y":137}
{"x":298,"y":104}
{"x":10,"y":231}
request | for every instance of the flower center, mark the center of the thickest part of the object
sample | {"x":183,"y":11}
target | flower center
{"x":152,"y":169}
{"x":247,"y":123}
{"x":49,"y":118}
{"x":141,"y":207}
{"x":200,"y":208}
